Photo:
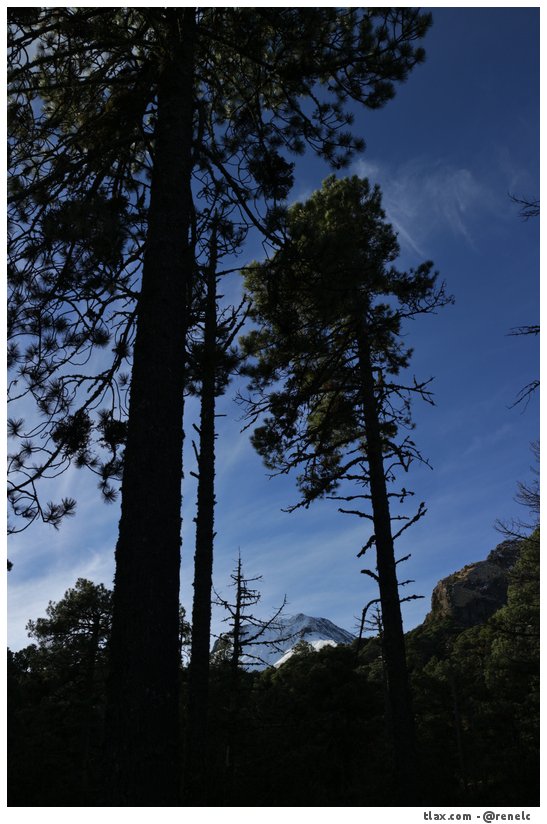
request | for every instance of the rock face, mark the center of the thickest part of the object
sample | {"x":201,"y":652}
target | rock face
{"x":471,"y":595}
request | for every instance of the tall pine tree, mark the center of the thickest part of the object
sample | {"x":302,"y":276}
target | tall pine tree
{"x":212,"y":360}
{"x":329,"y":374}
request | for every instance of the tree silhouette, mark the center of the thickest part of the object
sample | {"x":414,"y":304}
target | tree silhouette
{"x":212,"y":359}
{"x":68,"y":663}
{"x":327,"y":375}
{"x":246,"y":631}
{"x":528,"y":209}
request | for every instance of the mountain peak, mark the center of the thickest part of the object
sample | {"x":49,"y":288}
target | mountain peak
{"x":288,"y":631}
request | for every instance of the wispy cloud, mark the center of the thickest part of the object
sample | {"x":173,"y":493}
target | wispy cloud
{"x":47,"y":562}
{"x":300,"y":195}
{"x":488,"y":439}
{"x":520,"y":181}
{"x":423,"y":198}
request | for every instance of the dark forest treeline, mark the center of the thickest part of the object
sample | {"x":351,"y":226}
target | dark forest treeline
{"x":311,"y":733}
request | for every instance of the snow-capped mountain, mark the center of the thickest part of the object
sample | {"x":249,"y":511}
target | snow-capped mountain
{"x":287,"y":632}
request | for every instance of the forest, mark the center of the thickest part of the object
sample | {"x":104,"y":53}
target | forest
{"x":297,"y":735}
{"x":157,"y":264}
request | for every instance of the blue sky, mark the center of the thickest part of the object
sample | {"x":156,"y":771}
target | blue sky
{"x":460,"y":135}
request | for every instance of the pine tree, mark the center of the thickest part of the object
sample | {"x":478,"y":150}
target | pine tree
{"x":329,"y":374}
{"x":246,"y":631}
{"x":212,"y":359}
{"x":61,"y":687}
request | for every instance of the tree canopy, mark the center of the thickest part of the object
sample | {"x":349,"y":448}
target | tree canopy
{"x":83,"y":110}
{"x":334,"y":270}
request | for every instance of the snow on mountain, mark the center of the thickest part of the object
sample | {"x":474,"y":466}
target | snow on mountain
{"x":287,"y":632}
{"x":316,"y":645}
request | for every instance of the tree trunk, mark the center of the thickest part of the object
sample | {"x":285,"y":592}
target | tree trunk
{"x":401,"y":717}
{"x":233,"y":701}
{"x":143,"y":709}
{"x":89,"y":698}
{"x":458,"y":728}
{"x":198,"y":672}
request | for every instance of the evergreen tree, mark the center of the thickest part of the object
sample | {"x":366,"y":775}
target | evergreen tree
{"x":329,"y":374}
{"x":113,"y":111}
{"x":56,"y":697}
{"x":479,"y":694}
{"x":57,"y":704}
{"x":212,"y":359}
{"x":246,"y":632}
{"x":528,"y":496}
{"x":78,"y":626}
{"x":515,"y":652}
{"x":246,"y":629}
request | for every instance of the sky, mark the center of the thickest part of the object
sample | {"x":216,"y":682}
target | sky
{"x":459,"y":137}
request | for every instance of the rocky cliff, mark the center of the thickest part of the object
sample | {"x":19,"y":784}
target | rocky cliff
{"x":471,"y":595}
